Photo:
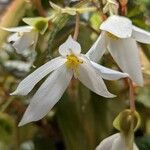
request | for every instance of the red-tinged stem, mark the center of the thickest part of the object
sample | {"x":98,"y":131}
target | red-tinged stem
{"x":131,"y":95}
{"x":77,"y":27}
{"x":40,"y":8}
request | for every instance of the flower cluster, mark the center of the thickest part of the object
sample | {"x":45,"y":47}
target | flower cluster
{"x":118,"y":35}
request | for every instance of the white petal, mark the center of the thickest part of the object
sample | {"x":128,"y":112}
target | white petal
{"x":70,"y":47}
{"x":88,"y":76}
{"x":141,"y":35}
{"x":48,"y":95}
{"x":19,"y":29}
{"x":107,"y":73}
{"x":33,"y":46}
{"x":135,"y":147}
{"x":126,"y":53}
{"x":119,"y":143}
{"x":98,"y":48}
{"x":30,"y":81}
{"x":13,"y":37}
{"x":106,"y":144}
{"x":118,"y":26}
{"x":26,"y":41}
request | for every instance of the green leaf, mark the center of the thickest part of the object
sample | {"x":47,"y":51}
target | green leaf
{"x":6,"y":127}
{"x":143,"y":143}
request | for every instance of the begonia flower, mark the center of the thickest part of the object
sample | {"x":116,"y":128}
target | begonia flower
{"x":119,"y":36}
{"x":60,"y":71}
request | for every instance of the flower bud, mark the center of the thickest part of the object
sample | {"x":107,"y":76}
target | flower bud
{"x":126,"y":120}
{"x":39,"y":23}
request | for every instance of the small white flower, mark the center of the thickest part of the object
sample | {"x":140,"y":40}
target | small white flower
{"x":120,"y":36}
{"x":111,"y":7}
{"x":114,"y":142}
{"x":71,"y":62}
{"x":25,"y":37}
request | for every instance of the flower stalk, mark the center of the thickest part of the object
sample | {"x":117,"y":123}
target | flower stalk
{"x":12,"y":19}
{"x":131,"y":95}
{"x":40,"y":8}
{"x":77,"y":26}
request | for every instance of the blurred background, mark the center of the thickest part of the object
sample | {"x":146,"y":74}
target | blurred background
{"x":81,"y":119}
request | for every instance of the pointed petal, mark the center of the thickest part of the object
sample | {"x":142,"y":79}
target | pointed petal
{"x":18,"y":29}
{"x":107,"y":73}
{"x":119,"y":143}
{"x":30,"y":81}
{"x":125,"y":52}
{"x":118,"y":26}
{"x":25,"y":41}
{"x":88,"y":76}
{"x":135,"y":147}
{"x":13,"y":37}
{"x":48,"y":95}
{"x":97,"y":50}
{"x":35,"y":42}
{"x":141,"y":35}
{"x":70,"y":47}
{"x":106,"y":144}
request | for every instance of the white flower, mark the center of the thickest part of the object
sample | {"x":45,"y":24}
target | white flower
{"x":71,"y":62}
{"x":114,"y":142}
{"x":120,"y":36}
{"x":25,"y":37}
{"x":111,"y":7}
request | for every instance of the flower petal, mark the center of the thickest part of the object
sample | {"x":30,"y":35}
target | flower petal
{"x":119,"y":143}
{"x":98,"y":48}
{"x":48,"y":95}
{"x":70,"y":47}
{"x":25,"y":41}
{"x":141,"y":35}
{"x":18,"y":29}
{"x":135,"y":147}
{"x":118,"y":26}
{"x":106,"y":144}
{"x":13,"y":37}
{"x":125,"y":52}
{"x":88,"y":76}
{"x":30,"y":81}
{"x":107,"y":73}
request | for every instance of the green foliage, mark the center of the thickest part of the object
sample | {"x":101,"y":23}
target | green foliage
{"x":6,"y":127}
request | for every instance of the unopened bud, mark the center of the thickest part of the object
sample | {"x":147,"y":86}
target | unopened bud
{"x":127,"y":119}
{"x":39,"y":23}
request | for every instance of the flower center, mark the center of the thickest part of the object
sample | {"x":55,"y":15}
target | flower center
{"x":73,"y":62}
{"x":110,"y":35}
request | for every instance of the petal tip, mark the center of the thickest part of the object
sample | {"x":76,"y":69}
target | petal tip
{"x":24,"y":120}
{"x":13,"y":93}
{"x":22,"y":123}
{"x":112,"y":96}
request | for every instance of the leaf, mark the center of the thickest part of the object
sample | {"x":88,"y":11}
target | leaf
{"x":143,"y":143}
{"x":7,"y":125}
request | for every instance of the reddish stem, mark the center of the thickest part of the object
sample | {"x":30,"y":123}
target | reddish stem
{"x":131,"y":95}
{"x":77,"y":27}
{"x":40,"y":8}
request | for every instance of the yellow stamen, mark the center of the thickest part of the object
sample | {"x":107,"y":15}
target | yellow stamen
{"x":110,"y":35}
{"x":73,"y":62}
